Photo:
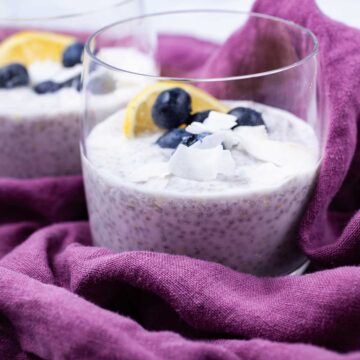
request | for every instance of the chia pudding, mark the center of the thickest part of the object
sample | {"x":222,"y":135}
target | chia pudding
{"x":41,"y":105}
{"x":41,"y":137}
{"x":242,"y":212}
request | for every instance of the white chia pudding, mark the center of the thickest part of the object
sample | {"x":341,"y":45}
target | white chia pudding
{"x":40,"y":130}
{"x":243,"y":214}
{"x":40,"y":137}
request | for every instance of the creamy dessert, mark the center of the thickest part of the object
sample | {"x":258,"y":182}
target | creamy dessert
{"x":178,"y":171}
{"x":40,"y":79}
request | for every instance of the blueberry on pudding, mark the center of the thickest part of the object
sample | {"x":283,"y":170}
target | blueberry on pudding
{"x":172,"y":138}
{"x":13,"y":75}
{"x":199,"y":116}
{"x":73,"y":54}
{"x":171,"y":109}
{"x":247,"y":117}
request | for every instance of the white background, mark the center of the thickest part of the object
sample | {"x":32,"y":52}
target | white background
{"x":347,"y":11}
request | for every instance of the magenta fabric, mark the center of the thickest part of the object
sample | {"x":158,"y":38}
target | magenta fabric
{"x":63,"y":299}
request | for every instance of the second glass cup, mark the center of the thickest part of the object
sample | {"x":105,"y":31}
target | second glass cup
{"x":214,"y":145}
{"x":41,"y":46}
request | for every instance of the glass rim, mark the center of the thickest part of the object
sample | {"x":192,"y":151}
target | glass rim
{"x":309,"y":56}
{"x":117,"y":3}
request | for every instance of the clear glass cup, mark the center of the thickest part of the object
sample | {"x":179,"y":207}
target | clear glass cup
{"x":39,"y":122}
{"x":232,"y":193}
{"x":231,"y":5}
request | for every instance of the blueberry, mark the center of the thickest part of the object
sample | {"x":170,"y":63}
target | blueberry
{"x":47,"y":87}
{"x":246,"y":117}
{"x":172,"y":138}
{"x":171,"y":108}
{"x":193,"y":138}
{"x":74,"y":82}
{"x":13,"y":75}
{"x":199,"y":116}
{"x":50,"y":86}
{"x":73,"y":54}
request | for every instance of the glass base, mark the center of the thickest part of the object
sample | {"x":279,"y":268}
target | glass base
{"x":300,"y":270}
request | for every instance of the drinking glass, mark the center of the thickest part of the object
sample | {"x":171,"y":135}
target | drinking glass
{"x":247,"y":221}
{"x":39,"y":132}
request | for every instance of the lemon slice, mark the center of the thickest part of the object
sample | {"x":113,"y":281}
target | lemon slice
{"x":25,"y":47}
{"x":138,"y":119}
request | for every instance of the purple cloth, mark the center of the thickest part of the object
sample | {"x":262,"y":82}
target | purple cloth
{"x":63,"y":299}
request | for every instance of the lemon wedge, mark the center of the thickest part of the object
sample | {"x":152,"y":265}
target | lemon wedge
{"x":25,"y":47}
{"x":138,"y":119}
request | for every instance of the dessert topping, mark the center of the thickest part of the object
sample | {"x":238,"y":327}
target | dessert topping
{"x":42,"y":53}
{"x":198,"y":117}
{"x":247,"y":117}
{"x":40,"y":71}
{"x":25,"y":47}
{"x":47,"y":86}
{"x":256,"y":142}
{"x":50,"y":86}
{"x":172,"y":138}
{"x":74,"y":82}
{"x":73,"y":54}
{"x":191,"y":139}
{"x":202,"y":149}
{"x":66,"y":74}
{"x":201,"y":164}
{"x":49,"y":76}
{"x":13,"y":75}
{"x":172,"y":108}
{"x":216,"y":121}
{"x":225,"y":138}
{"x":138,"y":117}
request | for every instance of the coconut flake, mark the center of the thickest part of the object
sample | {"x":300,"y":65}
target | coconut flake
{"x":253,"y":132}
{"x":67,"y":73}
{"x":255,"y":141}
{"x":40,"y":71}
{"x":214,"y":123}
{"x":283,"y":153}
{"x":217,"y":121}
{"x":196,"y":128}
{"x":201,"y":164}
{"x":150,"y":170}
{"x":226,"y":138}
